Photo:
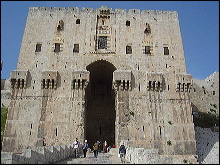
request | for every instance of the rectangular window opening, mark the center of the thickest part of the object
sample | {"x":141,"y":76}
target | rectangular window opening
{"x":76,"y":48}
{"x":78,"y":21}
{"x":38,"y":48}
{"x":147,"y":49}
{"x":102,"y":42}
{"x":57,"y":47}
{"x":128,"y":23}
{"x":128,"y":50}
{"x":166,"y":51}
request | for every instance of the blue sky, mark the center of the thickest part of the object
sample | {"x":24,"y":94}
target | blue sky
{"x":199,"y":25}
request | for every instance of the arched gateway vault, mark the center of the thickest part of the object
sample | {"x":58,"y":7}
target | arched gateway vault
{"x":100,"y":103}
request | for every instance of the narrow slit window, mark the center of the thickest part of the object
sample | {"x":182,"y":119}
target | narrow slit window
{"x":166,"y":51}
{"x":52,"y":83}
{"x":158,"y":85}
{"x":38,"y":48}
{"x":18,"y":83}
{"x":128,"y":50}
{"x":154,"y":83}
{"x":22,"y":81}
{"x":149,"y":85}
{"x":56,"y":131}
{"x":127,"y":84}
{"x":160,"y":132}
{"x":57,"y":47}
{"x":123,"y":84}
{"x":43,"y":83}
{"x":48,"y":83}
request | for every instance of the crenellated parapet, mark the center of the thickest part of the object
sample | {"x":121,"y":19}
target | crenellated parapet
{"x":184,"y":82}
{"x":103,"y":9}
{"x":19,"y":79}
{"x":154,"y":81}
{"x":80,"y":79}
{"x":122,"y":80}
{"x":49,"y":80}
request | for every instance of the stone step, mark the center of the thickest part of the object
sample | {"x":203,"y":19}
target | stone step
{"x":103,"y":158}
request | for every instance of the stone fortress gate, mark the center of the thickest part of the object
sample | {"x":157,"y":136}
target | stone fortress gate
{"x":101,"y":74}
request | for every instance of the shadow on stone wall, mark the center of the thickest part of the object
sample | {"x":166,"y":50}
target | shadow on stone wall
{"x":205,"y":141}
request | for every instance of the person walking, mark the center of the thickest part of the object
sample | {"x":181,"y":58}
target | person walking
{"x":122,"y":152}
{"x":105,"y":145}
{"x":76,"y":147}
{"x":96,"y":148}
{"x":85,"y":148}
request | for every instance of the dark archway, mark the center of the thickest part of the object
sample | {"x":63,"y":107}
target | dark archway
{"x":100,"y":104}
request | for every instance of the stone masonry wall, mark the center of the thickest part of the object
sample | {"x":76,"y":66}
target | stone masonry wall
{"x":152,"y":103}
{"x":40,"y":155}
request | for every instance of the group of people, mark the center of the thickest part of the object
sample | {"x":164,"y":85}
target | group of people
{"x":96,"y":149}
{"x":76,"y":144}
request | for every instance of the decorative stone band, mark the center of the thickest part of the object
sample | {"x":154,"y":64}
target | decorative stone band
{"x":122,"y":80}
{"x":80,"y":79}
{"x":102,"y":52}
{"x":19,"y":78}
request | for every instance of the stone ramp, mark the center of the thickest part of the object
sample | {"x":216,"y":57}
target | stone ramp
{"x":103,"y":158}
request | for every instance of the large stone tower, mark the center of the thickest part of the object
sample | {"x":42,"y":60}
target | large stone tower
{"x":101,"y":74}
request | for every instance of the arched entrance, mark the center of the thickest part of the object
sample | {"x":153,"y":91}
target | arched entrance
{"x":100,"y":104}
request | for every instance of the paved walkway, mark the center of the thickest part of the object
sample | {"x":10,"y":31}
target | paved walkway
{"x":103,"y":158}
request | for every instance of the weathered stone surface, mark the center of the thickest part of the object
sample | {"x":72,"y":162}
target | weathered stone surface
{"x":101,"y":75}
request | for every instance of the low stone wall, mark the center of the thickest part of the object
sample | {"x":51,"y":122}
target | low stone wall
{"x":39,"y":155}
{"x":207,"y":145}
{"x":152,"y":156}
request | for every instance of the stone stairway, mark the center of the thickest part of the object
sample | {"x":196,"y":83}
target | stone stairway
{"x":103,"y":158}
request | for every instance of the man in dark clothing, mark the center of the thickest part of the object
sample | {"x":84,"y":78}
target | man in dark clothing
{"x":122,"y":152}
{"x":85,"y":147}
